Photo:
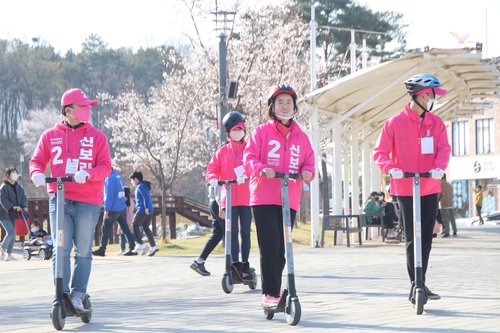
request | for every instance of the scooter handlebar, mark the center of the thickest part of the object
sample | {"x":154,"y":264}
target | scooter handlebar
{"x":413,"y":174}
{"x":222,"y":182}
{"x":284,"y":175}
{"x":59,"y":179}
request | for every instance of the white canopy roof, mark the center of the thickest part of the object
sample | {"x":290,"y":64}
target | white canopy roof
{"x":373,"y":95}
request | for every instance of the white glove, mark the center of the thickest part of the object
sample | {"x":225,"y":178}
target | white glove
{"x":214,"y":182}
{"x":437,"y":173}
{"x":38,"y":179}
{"x":81,"y":176}
{"x":241,"y":179}
{"x":396,"y":173}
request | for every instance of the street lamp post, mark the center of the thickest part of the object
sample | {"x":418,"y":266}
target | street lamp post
{"x":222,"y":19}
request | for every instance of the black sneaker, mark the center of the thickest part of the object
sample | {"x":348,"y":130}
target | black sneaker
{"x":431,"y":295}
{"x":199,"y":268}
{"x":454,"y":234}
{"x":445,"y":236}
{"x":99,"y":252}
{"x":130,"y":253}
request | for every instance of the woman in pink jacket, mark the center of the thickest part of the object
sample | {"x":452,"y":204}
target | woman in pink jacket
{"x":278,"y":145}
{"x":415,"y":140}
{"x":73,"y":147}
{"x":227,"y":164}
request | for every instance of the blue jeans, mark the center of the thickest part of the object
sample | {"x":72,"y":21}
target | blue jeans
{"x":10,"y":236}
{"x":80,"y":220}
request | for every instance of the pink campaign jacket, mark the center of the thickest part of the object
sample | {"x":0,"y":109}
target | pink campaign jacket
{"x":268,"y":148}
{"x":87,"y":144}
{"x":398,"y":146}
{"x":221,"y":167}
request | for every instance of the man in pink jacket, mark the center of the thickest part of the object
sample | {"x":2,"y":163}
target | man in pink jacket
{"x":415,"y":140}
{"x":75,"y":148}
{"x":278,"y":145}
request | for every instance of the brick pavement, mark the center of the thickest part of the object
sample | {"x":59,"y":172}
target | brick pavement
{"x":358,"y":289}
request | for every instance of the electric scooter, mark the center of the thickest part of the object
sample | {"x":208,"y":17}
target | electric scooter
{"x":289,"y":302}
{"x":62,"y":306}
{"x":418,"y":294}
{"x":234,"y":271}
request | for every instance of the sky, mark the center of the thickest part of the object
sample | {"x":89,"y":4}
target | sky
{"x":65,"y":24}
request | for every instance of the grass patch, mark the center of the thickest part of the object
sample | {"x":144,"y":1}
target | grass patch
{"x":193,"y":246}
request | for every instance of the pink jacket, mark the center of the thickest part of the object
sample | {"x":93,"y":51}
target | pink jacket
{"x":399,"y":146}
{"x":221,"y":167}
{"x":87,"y":144}
{"x":268,"y":148}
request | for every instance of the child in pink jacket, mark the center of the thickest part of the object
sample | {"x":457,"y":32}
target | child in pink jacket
{"x":278,"y":145}
{"x":227,"y":164}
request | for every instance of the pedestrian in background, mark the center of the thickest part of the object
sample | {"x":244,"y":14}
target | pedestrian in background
{"x":13,"y":202}
{"x":446,"y":208}
{"x":114,"y":211}
{"x":478,"y":200}
{"x":143,"y":215}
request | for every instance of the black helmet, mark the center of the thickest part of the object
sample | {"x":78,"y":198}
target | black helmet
{"x":231,"y":119}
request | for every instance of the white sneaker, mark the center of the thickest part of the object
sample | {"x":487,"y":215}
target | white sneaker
{"x":137,"y":248}
{"x":121,"y":252}
{"x":77,"y":303}
{"x":153,"y":251}
{"x":9,"y":257}
{"x":144,"y":248}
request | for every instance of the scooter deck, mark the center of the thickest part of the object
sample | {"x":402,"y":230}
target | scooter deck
{"x":238,"y":279}
{"x":70,"y":310}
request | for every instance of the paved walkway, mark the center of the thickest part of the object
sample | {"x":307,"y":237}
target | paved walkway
{"x":358,"y":289}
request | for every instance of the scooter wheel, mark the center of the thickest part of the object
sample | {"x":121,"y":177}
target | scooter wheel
{"x":87,"y":315}
{"x":419,"y":301}
{"x":226,"y":285}
{"x":293,"y":313}
{"x":57,"y":317}
{"x":269,"y":314}
{"x":26,"y":254}
{"x":252,"y":285}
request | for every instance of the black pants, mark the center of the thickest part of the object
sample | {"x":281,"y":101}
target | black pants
{"x":107,"y":228}
{"x":428,"y":208}
{"x":143,"y":220}
{"x":479,"y":208}
{"x":218,"y":229}
{"x":269,"y":226}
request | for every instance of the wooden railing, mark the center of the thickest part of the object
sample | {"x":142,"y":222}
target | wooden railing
{"x":194,"y":211}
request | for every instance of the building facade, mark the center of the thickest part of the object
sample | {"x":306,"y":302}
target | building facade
{"x":475,"y":160}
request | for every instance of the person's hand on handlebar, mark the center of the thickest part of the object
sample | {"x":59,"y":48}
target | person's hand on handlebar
{"x":396,"y":173}
{"x":269,"y":172}
{"x":437,"y":173}
{"x":81,"y":176}
{"x":38,"y":179}
{"x":307,"y":175}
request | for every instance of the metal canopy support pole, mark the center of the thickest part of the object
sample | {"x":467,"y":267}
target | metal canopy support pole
{"x":355,"y":167}
{"x":314,"y":124}
{"x":367,"y":157}
{"x":337,"y":174}
{"x":354,"y":172}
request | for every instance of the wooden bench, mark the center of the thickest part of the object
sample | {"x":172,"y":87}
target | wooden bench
{"x":364,"y":224}
{"x":341,"y":223}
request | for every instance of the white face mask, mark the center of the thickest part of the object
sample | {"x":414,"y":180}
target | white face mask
{"x":14,"y":176}
{"x":33,"y":230}
{"x":430,"y":104}
{"x":236,"y":135}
